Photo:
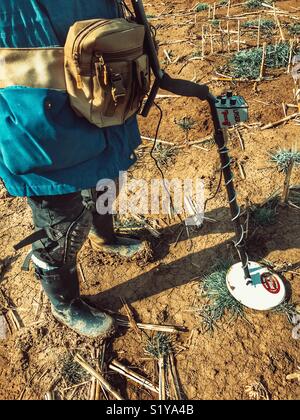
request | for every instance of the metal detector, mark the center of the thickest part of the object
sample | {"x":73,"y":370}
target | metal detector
{"x":252,"y":284}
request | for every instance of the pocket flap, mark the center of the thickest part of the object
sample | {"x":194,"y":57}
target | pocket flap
{"x":143,"y":73}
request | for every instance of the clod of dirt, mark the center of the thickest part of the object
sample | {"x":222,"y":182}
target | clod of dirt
{"x":21,"y":360}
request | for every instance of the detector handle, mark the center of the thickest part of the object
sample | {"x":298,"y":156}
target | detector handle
{"x":185,"y":88}
{"x":151,"y":98}
{"x":178,"y":87}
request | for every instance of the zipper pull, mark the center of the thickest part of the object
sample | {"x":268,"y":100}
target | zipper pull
{"x":105,"y":71}
{"x":106,"y":75}
{"x":79,"y":81}
{"x":101,"y":71}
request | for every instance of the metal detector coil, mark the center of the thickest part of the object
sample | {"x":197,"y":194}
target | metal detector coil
{"x":265,"y":291}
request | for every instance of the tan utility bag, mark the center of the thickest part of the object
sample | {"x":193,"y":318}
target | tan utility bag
{"x":107,"y":71}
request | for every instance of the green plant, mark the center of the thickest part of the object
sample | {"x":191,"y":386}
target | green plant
{"x":164,"y":155}
{"x":294,"y":29}
{"x":201,"y":6}
{"x":221,"y":301}
{"x":266,"y":25}
{"x":246,"y":64}
{"x":256,"y":4}
{"x":186,"y":123}
{"x":264,"y":216}
{"x":128,"y":223}
{"x":215,"y":22}
{"x":168,"y":60}
{"x":288,"y":309}
{"x":159,"y":346}
{"x":71,"y":371}
{"x":283,"y":158}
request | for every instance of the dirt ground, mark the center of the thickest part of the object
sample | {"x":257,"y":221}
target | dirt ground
{"x":214,"y":366}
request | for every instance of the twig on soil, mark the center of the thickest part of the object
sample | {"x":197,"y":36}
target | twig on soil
{"x":203,"y":42}
{"x":79,"y":359}
{"x":153,"y":327}
{"x":239,"y":36}
{"x":290,"y":56}
{"x":93,"y":389}
{"x":257,"y":391}
{"x":262,"y":67}
{"x":101,"y":362}
{"x":287,"y":182}
{"x":157,"y":140}
{"x":278,"y":24}
{"x":178,"y":237}
{"x":294,"y":376}
{"x":276,"y":123}
{"x":133,"y":376}
{"x":93,"y":383}
{"x":284,"y":108}
{"x":242,"y":170}
{"x":179,"y":41}
{"x":228,"y":8}
{"x":75,"y":386}
{"x":6,"y":322}
{"x":162,"y":378}
{"x":190,"y":340}
{"x":168,"y":56}
{"x":14,"y":320}
{"x":293,"y":205}
{"x":50,"y":396}
{"x":147,"y":226}
{"x":174,"y":378}
{"x":130,"y":315}
{"x":39,"y":306}
{"x":81,"y":273}
{"x":258,"y":33}
{"x":241,"y":140}
{"x":12,"y":314}
{"x":168,"y":96}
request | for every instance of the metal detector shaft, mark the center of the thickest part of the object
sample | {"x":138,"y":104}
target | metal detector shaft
{"x":190,"y":89}
{"x":150,"y":47}
{"x":231,"y":192}
{"x":141,"y":18}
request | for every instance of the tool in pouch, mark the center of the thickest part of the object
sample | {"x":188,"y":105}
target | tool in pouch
{"x":107,"y":70}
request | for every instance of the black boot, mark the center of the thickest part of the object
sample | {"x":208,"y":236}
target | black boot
{"x":61,"y":285}
{"x":103,"y":239}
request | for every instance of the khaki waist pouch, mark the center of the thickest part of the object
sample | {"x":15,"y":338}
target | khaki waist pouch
{"x":106,"y":70}
{"x":103,"y":68}
{"x":32,"y":67}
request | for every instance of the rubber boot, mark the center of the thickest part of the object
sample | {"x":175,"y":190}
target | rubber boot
{"x":61,"y":285}
{"x":103,"y":239}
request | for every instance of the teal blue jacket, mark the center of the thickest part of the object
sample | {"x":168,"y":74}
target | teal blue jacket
{"x":49,"y":152}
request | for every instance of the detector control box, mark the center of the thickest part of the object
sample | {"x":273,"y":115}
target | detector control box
{"x":231,"y":109}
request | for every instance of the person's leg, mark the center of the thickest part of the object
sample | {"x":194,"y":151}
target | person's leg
{"x":104,"y":239}
{"x":66,"y":221}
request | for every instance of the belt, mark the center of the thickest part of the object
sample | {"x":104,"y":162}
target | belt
{"x":32,"y":67}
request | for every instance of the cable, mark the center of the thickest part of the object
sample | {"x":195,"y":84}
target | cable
{"x":161,"y":172}
{"x":127,"y":9}
{"x":155,"y":160}
{"x":156,"y":138}
{"x":216,"y":192}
